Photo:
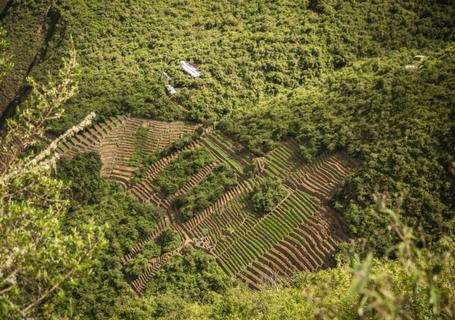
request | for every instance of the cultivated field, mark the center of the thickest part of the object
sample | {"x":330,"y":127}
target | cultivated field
{"x":299,"y":234}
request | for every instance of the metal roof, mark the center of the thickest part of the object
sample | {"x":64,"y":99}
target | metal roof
{"x":191,"y":70}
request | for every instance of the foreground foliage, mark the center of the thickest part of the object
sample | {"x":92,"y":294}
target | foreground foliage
{"x":38,"y":256}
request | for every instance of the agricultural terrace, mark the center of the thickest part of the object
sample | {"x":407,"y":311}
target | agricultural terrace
{"x":206,"y":186}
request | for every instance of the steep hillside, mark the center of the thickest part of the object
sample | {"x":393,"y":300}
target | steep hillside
{"x":303,"y":168}
{"x":28,"y":28}
{"x":211,"y":206}
{"x":246,"y":53}
{"x":399,"y":120}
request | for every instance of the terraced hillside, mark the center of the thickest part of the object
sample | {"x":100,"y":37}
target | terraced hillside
{"x":300,"y":233}
{"x":117,"y":141}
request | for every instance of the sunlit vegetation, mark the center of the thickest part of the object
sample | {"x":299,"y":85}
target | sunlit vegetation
{"x":266,"y":196}
{"x":173,"y":176}
{"x":200,"y":197}
{"x":383,"y":114}
{"x":304,"y":112}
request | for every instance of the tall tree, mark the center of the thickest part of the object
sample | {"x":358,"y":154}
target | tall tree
{"x":37,"y":256}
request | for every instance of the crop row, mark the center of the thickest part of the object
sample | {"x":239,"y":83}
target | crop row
{"x":223,"y":153}
{"x":282,"y":160}
{"x":321,"y":177}
{"x":89,"y":139}
{"x":219,"y":205}
{"x":308,"y":247}
{"x":162,"y":134}
{"x":248,"y":242}
{"x":228,"y":219}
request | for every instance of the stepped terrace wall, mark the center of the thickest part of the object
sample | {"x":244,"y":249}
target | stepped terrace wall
{"x":301,"y":233}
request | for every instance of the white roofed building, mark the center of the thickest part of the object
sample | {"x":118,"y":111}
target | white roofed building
{"x":191,"y":70}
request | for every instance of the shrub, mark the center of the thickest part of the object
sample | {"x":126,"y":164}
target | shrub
{"x":169,"y":240}
{"x":202,"y":196}
{"x":189,"y":162}
{"x":267,"y":195}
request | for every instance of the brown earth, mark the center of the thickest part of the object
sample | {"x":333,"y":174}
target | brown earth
{"x":253,"y":251}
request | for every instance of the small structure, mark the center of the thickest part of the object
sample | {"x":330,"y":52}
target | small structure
{"x":410,"y":67}
{"x":419,"y":57}
{"x":170,"y":89}
{"x":203,"y":243}
{"x":191,"y":70}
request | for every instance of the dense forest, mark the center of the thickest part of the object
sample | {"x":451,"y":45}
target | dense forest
{"x":372,"y":79}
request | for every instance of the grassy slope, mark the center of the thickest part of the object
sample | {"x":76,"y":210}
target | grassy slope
{"x":331,"y":75}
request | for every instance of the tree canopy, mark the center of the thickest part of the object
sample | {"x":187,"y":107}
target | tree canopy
{"x":373,"y":79}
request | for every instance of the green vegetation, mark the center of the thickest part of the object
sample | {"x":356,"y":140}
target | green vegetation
{"x":222,"y":150}
{"x":137,"y":264}
{"x":200,"y":197}
{"x":189,"y":162}
{"x":169,"y":240}
{"x":373,"y":289}
{"x":85,"y":189}
{"x":26,"y":26}
{"x":385,"y":115}
{"x":330,"y":74}
{"x":39,"y":255}
{"x":254,"y":240}
{"x":126,"y":223}
{"x":267,"y":195}
{"x":140,"y":158}
{"x":245,"y":52}
{"x":193,"y":275}
{"x":5,"y":64}
{"x":418,"y":283}
{"x":181,"y":143}
{"x":145,"y":162}
{"x":105,"y":203}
